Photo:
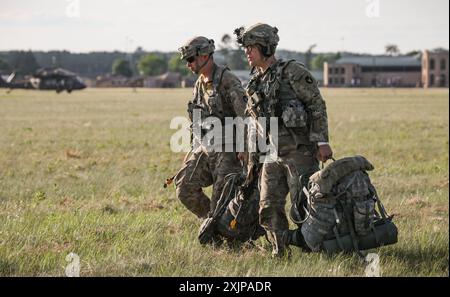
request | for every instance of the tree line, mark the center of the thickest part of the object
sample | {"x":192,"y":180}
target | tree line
{"x":138,"y":62}
{"x":141,"y":62}
{"x":94,"y":64}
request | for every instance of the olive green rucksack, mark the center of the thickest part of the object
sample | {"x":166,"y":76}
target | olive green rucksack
{"x":338,"y":210}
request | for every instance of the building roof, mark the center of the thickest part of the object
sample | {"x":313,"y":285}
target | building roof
{"x":317,"y":74}
{"x":439,"y":51}
{"x":380,"y":60}
{"x":170,"y":76}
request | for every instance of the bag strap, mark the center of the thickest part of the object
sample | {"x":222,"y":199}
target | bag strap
{"x":322,"y":164}
{"x":221,"y":77}
{"x":353,"y":236}
{"x":381,"y":209}
{"x":275,"y":77}
{"x":338,"y":238}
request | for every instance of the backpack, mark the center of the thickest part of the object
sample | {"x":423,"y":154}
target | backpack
{"x":236,"y":217}
{"x":342,"y":211}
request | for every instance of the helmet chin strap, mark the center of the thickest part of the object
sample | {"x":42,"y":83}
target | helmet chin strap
{"x":203,"y":65}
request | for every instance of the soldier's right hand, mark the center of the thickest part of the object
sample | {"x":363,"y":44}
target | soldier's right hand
{"x":243,"y":157}
{"x":324,"y":152}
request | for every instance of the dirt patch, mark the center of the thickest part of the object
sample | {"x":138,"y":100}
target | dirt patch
{"x":60,"y":247}
{"x":153,"y":205}
{"x":66,"y":201}
{"x":417,"y":201}
{"x":442,"y":184}
{"x":70,"y":154}
{"x":110,"y":209}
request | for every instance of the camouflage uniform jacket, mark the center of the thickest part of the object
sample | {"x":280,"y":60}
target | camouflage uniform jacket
{"x":288,"y":91}
{"x":222,"y":97}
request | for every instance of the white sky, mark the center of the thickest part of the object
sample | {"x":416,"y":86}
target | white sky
{"x":164,"y":25}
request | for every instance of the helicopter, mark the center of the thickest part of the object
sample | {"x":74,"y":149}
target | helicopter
{"x":57,"y":79}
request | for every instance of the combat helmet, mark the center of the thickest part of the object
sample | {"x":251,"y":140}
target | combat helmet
{"x":197,"y":46}
{"x":261,"y":34}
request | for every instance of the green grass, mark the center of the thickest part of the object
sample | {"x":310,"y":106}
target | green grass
{"x":83,"y":173}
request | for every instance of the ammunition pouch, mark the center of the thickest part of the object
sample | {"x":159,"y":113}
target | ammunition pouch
{"x":294,"y":114}
{"x":190,"y":110}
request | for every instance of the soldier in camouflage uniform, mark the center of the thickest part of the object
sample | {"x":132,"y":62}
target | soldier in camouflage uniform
{"x":286,"y":90}
{"x":217,"y":93}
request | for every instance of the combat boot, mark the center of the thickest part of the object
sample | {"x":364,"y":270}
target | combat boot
{"x":280,"y":244}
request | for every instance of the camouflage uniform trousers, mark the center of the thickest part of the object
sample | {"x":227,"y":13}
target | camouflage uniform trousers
{"x":203,"y":169}
{"x":277,"y":180}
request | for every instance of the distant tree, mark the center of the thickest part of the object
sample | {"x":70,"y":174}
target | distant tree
{"x":392,"y":50}
{"x":122,"y":67}
{"x":413,"y":53}
{"x":234,"y":57}
{"x":139,"y":50}
{"x":317,"y":62}
{"x":237,"y":60}
{"x":152,"y":64}
{"x":138,"y":53}
{"x":308,"y":56}
{"x":4,"y":66}
{"x":24,"y":62}
{"x":225,"y":47}
{"x":177,"y":65}
{"x":226,"y":40}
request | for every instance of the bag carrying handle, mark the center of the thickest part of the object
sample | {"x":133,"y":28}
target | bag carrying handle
{"x":322,"y":166}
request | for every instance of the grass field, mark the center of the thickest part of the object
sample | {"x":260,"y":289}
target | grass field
{"x":83,"y":173}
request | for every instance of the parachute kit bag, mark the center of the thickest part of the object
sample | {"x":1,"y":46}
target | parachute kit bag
{"x":344,"y":212}
{"x":236,"y":215}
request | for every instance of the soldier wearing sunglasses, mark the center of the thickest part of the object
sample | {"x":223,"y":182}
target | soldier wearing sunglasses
{"x":217,"y":93}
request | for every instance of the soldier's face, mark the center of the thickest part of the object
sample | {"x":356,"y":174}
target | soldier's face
{"x":190,"y":63}
{"x":254,"y":56}
{"x":194,"y":63}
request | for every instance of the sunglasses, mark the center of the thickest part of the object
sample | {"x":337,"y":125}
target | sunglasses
{"x":190,"y":59}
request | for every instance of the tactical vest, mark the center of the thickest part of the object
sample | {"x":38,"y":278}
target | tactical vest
{"x":271,"y":95}
{"x":212,"y":102}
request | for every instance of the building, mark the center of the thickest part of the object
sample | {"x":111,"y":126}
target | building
{"x":373,"y":71}
{"x":89,"y":82}
{"x":166,"y":80}
{"x":318,"y":75}
{"x":435,"y":68}
{"x":111,"y":81}
{"x":429,"y":69}
{"x":244,"y":76}
{"x":188,"y":81}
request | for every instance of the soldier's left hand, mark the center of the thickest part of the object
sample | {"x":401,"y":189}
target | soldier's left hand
{"x":324,"y":152}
